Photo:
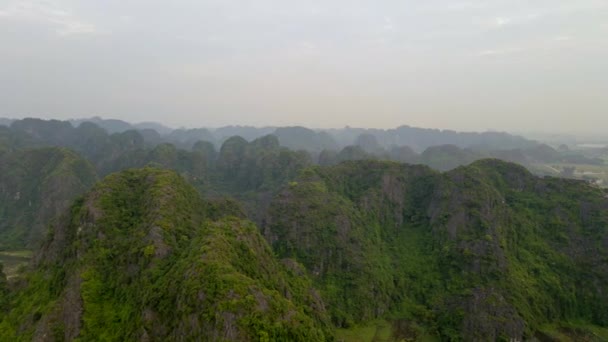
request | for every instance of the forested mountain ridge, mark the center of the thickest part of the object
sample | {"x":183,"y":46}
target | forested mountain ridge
{"x":36,"y":185}
{"x":484,"y":252}
{"x":481,"y":253}
{"x":298,"y":137}
{"x":142,"y":257}
{"x":106,"y":143}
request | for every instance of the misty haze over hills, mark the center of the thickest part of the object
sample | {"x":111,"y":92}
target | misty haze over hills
{"x":297,"y":137}
{"x":464,"y":65}
{"x":440,"y":149}
{"x":295,"y":234}
{"x":418,"y":138}
{"x":321,"y":170}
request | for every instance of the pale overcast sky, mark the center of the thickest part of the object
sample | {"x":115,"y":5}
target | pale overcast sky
{"x":466,"y":65}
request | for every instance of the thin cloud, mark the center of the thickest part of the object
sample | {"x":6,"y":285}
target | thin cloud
{"x":63,"y":22}
{"x":455,"y":6}
{"x":279,"y":60}
{"x":388,"y":24}
{"x":501,"y":21}
{"x":562,"y":38}
{"x":499,"y":52}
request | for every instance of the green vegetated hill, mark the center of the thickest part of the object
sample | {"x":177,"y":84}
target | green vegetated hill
{"x":114,"y":145}
{"x":259,"y":165}
{"x":143,"y":257}
{"x":36,"y":185}
{"x":484,"y":252}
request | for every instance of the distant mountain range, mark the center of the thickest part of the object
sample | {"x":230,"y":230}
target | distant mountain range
{"x":288,"y":236}
{"x":481,"y":253}
{"x":297,"y":137}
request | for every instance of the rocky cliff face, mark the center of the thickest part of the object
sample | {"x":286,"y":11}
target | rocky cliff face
{"x":483,"y":252}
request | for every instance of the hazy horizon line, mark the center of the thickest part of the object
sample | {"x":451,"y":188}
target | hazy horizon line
{"x":346,"y":126}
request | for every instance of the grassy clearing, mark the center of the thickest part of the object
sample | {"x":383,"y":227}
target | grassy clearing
{"x":376,"y":331}
{"x":17,"y":254}
{"x":599,"y":172}
{"x":581,"y":171}
{"x":13,"y":260}
{"x":572,"y":332}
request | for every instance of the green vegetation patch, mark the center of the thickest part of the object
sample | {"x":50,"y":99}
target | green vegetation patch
{"x":13,"y":261}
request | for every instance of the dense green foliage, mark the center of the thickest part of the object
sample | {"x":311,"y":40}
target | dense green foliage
{"x":259,"y":165}
{"x":138,"y":258}
{"x":480,"y":253}
{"x":352,"y":236}
{"x":447,"y":157}
{"x":301,"y":138}
{"x":4,"y":292}
{"x":113,"y":145}
{"x":35,"y":186}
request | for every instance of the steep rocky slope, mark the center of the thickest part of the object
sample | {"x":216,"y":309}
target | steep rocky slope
{"x":142,"y":257}
{"x":483,"y":252}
